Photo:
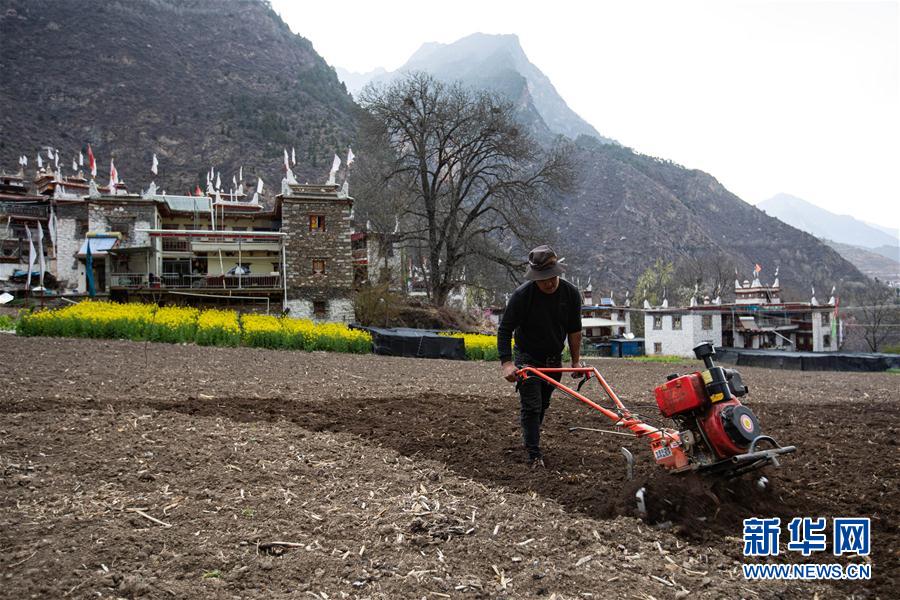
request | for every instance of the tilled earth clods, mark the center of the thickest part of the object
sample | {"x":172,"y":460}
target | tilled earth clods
{"x":154,"y":471}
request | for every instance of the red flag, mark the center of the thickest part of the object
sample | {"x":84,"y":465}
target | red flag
{"x":91,"y":162}
{"x":198,"y":192}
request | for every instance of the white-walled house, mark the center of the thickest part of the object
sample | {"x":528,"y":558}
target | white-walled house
{"x":602,"y":319}
{"x":757,"y":319}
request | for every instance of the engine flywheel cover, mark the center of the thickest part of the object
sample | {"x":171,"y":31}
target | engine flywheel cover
{"x":740,"y":424}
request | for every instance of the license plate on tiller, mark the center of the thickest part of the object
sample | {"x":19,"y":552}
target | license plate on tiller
{"x":661,"y":453}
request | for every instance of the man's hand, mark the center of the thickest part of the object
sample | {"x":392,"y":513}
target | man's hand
{"x":508,"y":370}
{"x":577,"y":364}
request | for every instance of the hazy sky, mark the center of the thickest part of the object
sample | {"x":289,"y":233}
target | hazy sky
{"x":800,"y":97}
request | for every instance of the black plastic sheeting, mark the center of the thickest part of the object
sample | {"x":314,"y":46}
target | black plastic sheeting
{"x":416,"y":343}
{"x":809,"y":361}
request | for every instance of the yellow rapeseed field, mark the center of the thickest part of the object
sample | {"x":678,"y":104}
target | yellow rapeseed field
{"x":100,"y":319}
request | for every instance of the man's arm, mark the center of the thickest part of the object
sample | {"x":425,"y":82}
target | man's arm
{"x":505,"y":329}
{"x":575,"y":350}
{"x":574,"y":335}
{"x":575,"y":347}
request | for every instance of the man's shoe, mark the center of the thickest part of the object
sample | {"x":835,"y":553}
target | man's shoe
{"x":537,"y":462}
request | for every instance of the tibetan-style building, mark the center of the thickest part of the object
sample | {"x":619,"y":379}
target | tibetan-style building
{"x":295,"y":254}
{"x":758,"y":319}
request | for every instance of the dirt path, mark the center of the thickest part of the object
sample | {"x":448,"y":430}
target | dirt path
{"x":395,"y":477}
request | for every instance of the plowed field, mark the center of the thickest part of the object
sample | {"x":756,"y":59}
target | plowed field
{"x":147,"y":470}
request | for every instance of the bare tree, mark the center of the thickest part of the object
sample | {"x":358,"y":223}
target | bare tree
{"x":879,"y":313}
{"x":710,"y":273}
{"x":463,"y":181}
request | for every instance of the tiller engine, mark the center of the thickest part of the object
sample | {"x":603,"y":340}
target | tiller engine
{"x":716,"y":434}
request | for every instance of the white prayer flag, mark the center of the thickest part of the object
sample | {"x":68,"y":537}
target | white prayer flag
{"x":40,"y":162}
{"x":293,"y":156}
{"x":30,"y":258}
{"x":154,"y":168}
{"x":51,"y":227}
{"x":259,"y":185}
{"x":50,"y":153}
{"x":350,"y":156}
{"x":74,"y":165}
{"x":80,"y":159}
{"x":40,"y":237}
{"x":234,"y":181}
{"x":336,"y":163}
{"x":218,"y":181}
{"x":56,"y":159}
{"x":241,"y":175}
{"x":287,"y":164}
{"x":255,"y":198}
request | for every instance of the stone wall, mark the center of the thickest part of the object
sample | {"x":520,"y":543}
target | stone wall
{"x":123,"y":217}
{"x":338,"y":310}
{"x":334,"y":287}
{"x":69,"y":270}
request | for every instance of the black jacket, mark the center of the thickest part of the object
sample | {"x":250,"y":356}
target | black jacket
{"x":540,"y":322}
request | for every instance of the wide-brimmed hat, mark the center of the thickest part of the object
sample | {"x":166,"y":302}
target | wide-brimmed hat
{"x":543,"y":264}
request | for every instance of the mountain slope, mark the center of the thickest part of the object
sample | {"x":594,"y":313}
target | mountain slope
{"x":825,"y":224}
{"x":491,"y":62}
{"x":627,"y":209}
{"x":204,"y":83}
{"x":635,"y":208}
{"x":357,"y":81}
{"x":870,"y":262}
{"x":199,"y":82}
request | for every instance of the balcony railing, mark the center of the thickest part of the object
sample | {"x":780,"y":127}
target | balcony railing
{"x":202,"y":282}
{"x":23,"y":210}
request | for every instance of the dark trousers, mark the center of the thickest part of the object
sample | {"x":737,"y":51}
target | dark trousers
{"x":534,"y":395}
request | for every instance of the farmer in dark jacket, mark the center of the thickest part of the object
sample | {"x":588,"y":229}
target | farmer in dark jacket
{"x":542,"y":313}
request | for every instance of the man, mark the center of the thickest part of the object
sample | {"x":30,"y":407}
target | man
{"x":542,"y":313}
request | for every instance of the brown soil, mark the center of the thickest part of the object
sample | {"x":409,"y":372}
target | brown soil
{"x":396,"y":478}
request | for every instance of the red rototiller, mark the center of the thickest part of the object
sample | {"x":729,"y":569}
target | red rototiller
{"x":716,"y":433}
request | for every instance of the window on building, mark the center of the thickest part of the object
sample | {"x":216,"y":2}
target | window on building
{"x":318,"y":266}
{"x":657,"y":322}
{"x":81,"y":227}
{"x":706,"y":322}
{"x":317,"y":222}
{"x":826,"y":340}
{"x":826,"y":318}
{"x":676,"y":321}
{"x":122,"y":226}
{"x":320,"y":308}
{"x":657,"y":347}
